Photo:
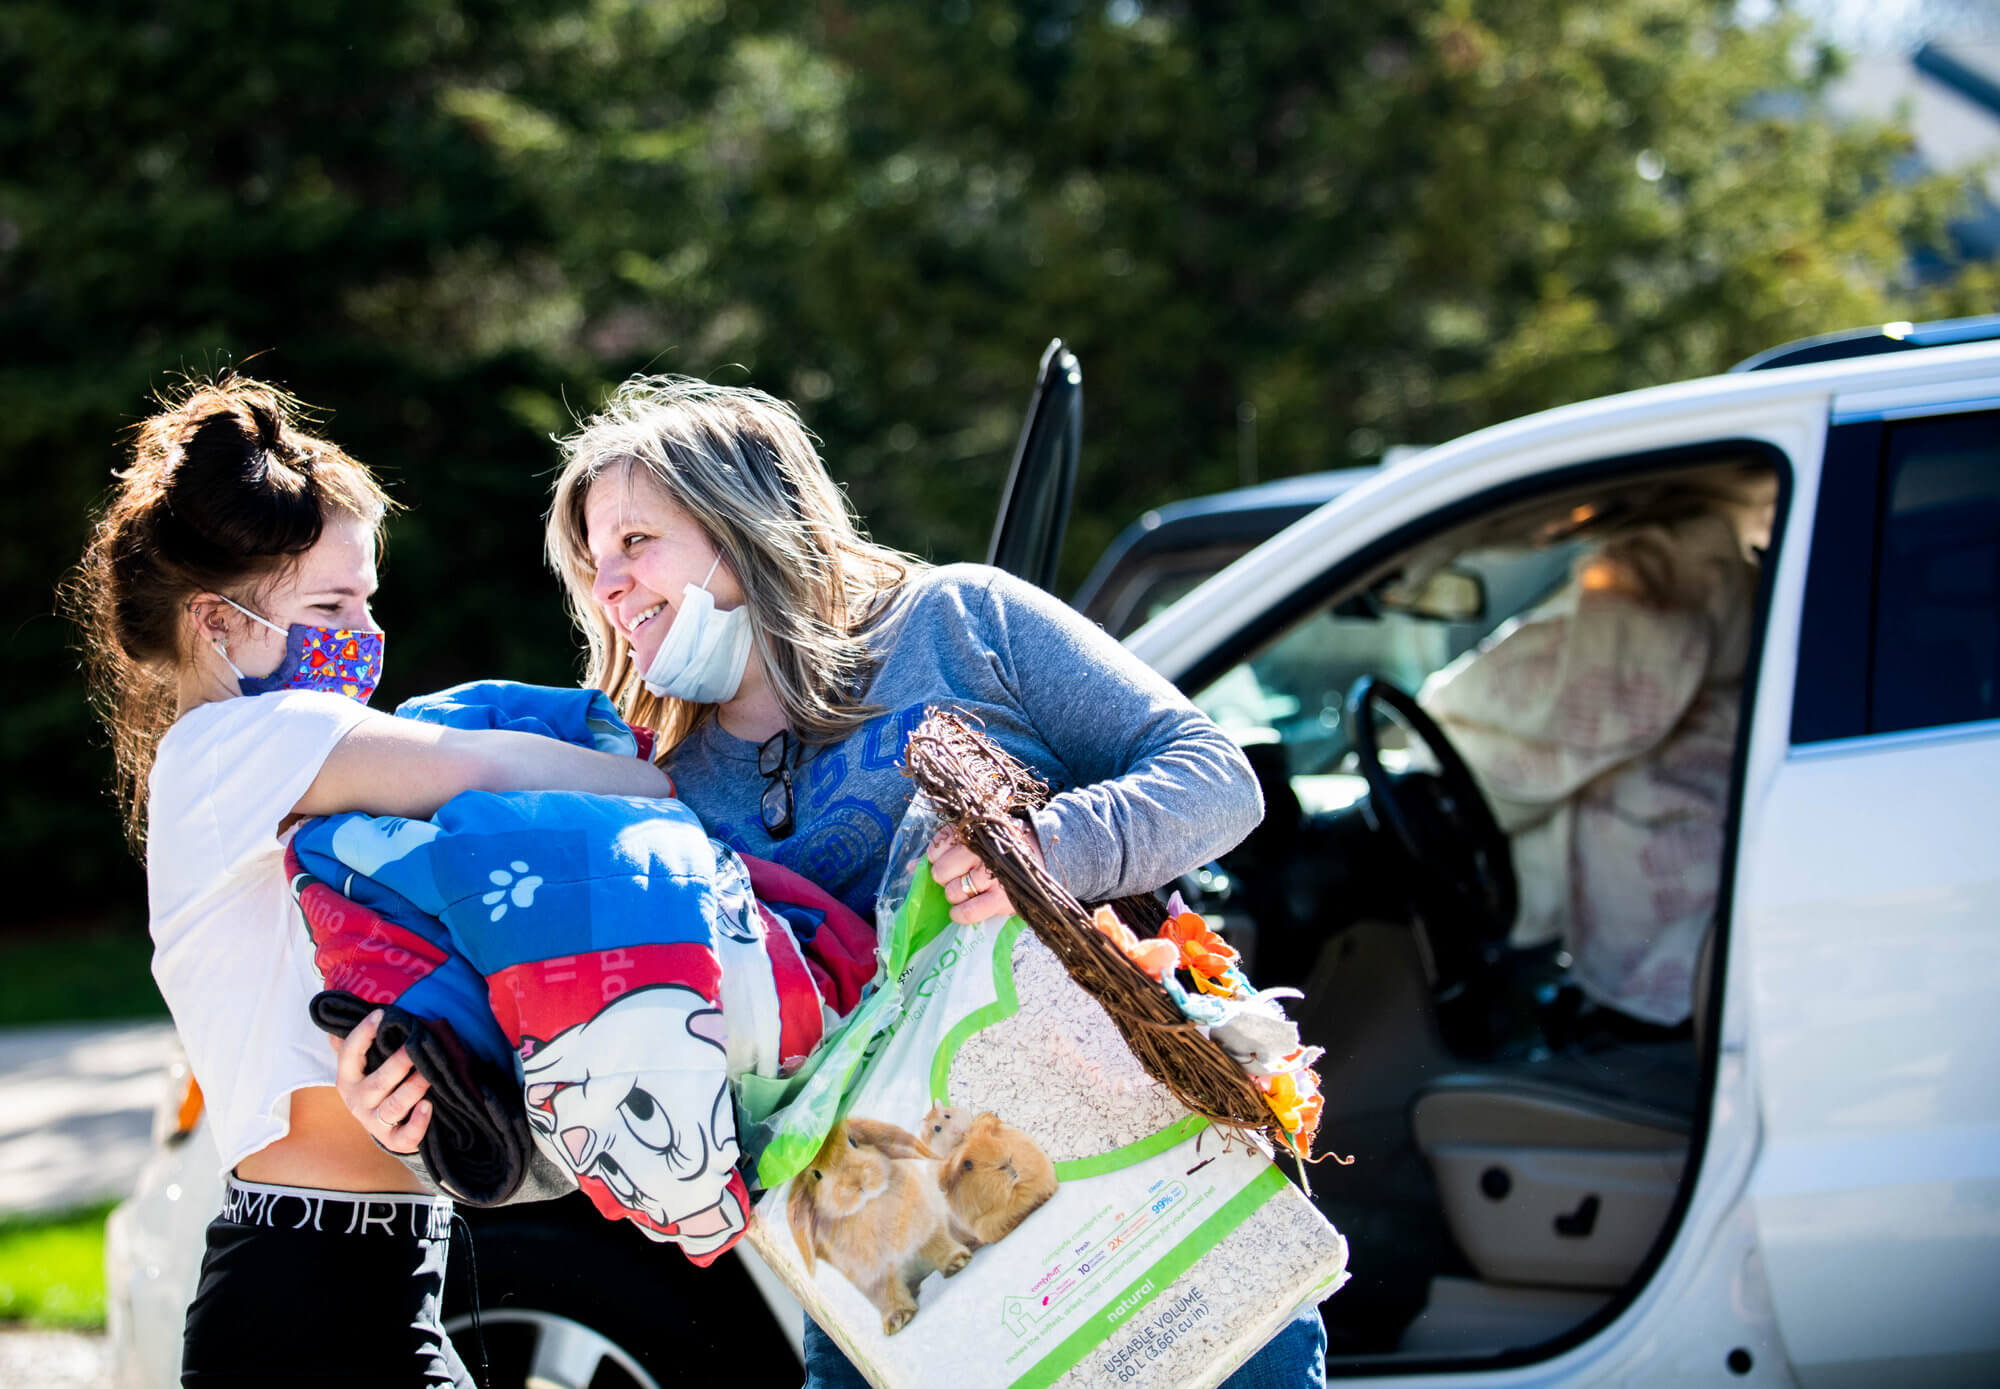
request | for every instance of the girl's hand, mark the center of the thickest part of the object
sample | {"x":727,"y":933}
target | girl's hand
{"x":389,"y":1104}
{"x":974,"y":893}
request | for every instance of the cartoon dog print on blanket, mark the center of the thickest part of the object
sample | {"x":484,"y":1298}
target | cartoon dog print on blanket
{"x":635,"y":1101}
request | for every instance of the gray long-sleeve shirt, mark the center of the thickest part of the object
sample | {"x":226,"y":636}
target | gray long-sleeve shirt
{"x":1146,"y":786}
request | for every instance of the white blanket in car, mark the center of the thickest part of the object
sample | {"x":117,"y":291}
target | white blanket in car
{"x":1601,"y":725}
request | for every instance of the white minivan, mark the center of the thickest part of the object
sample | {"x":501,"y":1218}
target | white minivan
{"x":1633,"y":782}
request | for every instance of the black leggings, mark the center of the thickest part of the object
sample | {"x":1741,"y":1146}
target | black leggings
{"x":322,"y":1287}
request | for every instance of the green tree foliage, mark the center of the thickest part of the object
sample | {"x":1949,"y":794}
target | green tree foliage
{"x":1348,"y":225}
{"x":188,"y":186}
{"x":1280,"y":236}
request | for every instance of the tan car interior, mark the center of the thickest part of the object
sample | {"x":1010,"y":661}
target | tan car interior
{"x":1503,"y":1199}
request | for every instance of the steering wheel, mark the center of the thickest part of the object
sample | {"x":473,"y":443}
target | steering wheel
{"x":1443,"y":823}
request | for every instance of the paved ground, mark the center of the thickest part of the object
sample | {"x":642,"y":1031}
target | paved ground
{"x":76,"y":1110}
{"x":53,"y":1360}
{"x":76,"y":1115}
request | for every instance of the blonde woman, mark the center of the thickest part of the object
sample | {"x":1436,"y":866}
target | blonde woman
{"x":730,"y":601}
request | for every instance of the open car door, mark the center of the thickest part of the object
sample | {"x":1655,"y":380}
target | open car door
{"x":1034,"y":509}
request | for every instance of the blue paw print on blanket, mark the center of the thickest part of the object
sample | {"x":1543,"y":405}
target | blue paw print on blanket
{"x":517,"y":887}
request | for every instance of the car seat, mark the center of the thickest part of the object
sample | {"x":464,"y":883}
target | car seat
{"x":1562,"y":1173}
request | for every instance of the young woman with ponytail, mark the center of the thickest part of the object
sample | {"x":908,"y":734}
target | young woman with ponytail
{"x":224,"y":599}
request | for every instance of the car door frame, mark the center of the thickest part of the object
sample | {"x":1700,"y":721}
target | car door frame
{"x":1690,"y":1301}
{"x":1033,"y":517}
{"x":1869,"y":1266}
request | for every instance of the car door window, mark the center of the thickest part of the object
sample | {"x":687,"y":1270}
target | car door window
{"x":1936,"y":629}
{"x":1129,"y":601}
{"x":1291,"y":691}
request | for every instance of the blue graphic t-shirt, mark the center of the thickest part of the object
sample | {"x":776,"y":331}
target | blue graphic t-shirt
{"x":1147,"y":787}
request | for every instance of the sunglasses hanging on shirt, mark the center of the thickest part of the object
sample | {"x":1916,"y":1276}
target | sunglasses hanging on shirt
{"x":774,"y":764}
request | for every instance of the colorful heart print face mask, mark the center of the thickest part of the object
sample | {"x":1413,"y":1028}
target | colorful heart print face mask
{"x":338,"y":660}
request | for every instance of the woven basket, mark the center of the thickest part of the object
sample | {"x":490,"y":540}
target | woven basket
{"x":982,"y":791}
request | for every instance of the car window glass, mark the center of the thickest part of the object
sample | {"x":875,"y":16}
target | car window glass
{"x":1146,"y":583}
{"x":1936,"y":640}
{"x":1160,"y":592}
{"x":1291,"y":691}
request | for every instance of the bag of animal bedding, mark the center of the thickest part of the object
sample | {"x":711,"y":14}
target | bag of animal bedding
{"x":974,"y":1176}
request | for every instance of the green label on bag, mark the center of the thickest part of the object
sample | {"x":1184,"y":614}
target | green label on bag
{"x":1076,"y":1169}
{"x":927,"y":913}
{"x":1004,"y":1005}
{"x":1156,"y":1279}
{"x":1007,"y":1002}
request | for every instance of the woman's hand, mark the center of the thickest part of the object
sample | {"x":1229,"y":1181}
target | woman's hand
{"x":969,"y":885}
{"x":390,"y":1103}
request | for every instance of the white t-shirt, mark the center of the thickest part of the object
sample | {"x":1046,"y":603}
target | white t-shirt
{"x":230,"y":949}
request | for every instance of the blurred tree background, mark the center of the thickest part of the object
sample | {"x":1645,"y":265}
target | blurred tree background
{"x":1280,"y":236}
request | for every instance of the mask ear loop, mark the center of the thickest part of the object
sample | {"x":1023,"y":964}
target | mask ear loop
{"x":222,"y":647}
{"x":222,"y":650}
{"x":710,"y":574}
{"x":265,"y":620}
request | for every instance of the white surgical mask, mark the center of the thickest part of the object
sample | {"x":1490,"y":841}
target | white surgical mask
{"x":705,"y":652}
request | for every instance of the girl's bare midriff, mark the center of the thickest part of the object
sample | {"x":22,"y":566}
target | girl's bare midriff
{"x":326,"y":1150}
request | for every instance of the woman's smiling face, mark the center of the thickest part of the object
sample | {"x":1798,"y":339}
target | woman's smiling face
{"x":647,"y":551}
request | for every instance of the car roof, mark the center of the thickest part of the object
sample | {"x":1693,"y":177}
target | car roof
{"x":1880,"y":386}
{"x":1875,"y":339}
{"x":1240,"y":516}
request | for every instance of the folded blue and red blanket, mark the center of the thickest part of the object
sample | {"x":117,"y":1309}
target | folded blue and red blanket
{"x":583,"y":973}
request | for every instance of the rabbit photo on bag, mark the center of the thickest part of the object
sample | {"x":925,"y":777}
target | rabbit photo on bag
{"x":870,"y":1204}
{"x":993,"y":1178}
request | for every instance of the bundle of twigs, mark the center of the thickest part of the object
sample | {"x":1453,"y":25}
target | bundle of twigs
{"x":977,"y":787}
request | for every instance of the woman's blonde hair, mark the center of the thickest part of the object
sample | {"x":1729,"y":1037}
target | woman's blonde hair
{"x":742,"y":466}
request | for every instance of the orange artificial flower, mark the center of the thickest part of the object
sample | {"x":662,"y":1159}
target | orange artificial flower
{"x":1155,"y":957}
{"x":1282,"y":1094}
{"x":1210,"y":986}
{"x":1203,"y":953}
{"x":1116,"y":931}
{"x":1309,"y":1122}
{"x":1295,"y":1100}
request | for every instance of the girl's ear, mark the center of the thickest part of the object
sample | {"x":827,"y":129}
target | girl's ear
{"x":209,"y":617}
